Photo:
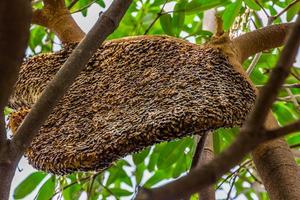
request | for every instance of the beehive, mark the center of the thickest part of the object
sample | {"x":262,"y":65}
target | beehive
{"x":135,"y":92}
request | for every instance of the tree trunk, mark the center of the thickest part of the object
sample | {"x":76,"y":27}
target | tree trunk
{"x":276,"y":166}
{"x":7,"y":171}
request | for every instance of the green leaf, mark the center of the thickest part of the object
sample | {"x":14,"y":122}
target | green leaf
{"x":120,"y":192}
{"x":230,"y":13}
{"x":217,"y":142}
{"x":156,"y":178}
{"x":118,"y":173}
{"x":72,"y":192}
{"x":293,"y":139}
{"x":101,"y":3}
{"x":139,"y":172}
{"x":178,"y":17}
{"x":47,"y":190}
{"x":153,"y":159}
{"x":180,"y":166}
{"x":251,"y":4}
{"x":196,"y":6}
{"x":140,"y":157}
{"x":166,"y":24}
{"x":7,"y":110}
{"x":82,"y":5}
{"x":283,"y":113}
{"x":292,"y":11}
{"x":158,"y":2}
{"x":167,"y":152}
{"x":37,"y":35}
{"x":28,"y":185}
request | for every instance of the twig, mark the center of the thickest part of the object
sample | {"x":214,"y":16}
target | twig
{"x":294,"y":85}
{"x":254,"y":177}
{"x":253,"y":63}
{"x":288,"y":98}
{"x":296,"y":76}
{"x":72,"y":4}
{"x":276,"y":133}
{"x":263,"y":9}
{"x":90,"y":190}
{"x":295,"y":145}
{"x":231,"y":186}
{"x":157,"y":17}
{"x":234,"y":172}
{"x":108,"y":190}
{"x":286,"y":9}
{"x":76,"y":182}
{"x":293,"y":97}
{"x":70,"y":185}
{"x":257,"y":56}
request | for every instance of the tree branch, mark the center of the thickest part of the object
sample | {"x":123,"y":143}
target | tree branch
{"x":260,"y":40}
{"x":284,"y":10}
{"x":55,"y":16}
{"x":282,"y":131}
{"x":58,"y":4}
{"x":15,"y":18}
{"x":249,"y":137}
{"x":207,"y":155}
{"x":13,"y":21}
{"x":72,"y":4}
{"x":199,"y":150}
{"x":105,"y":25}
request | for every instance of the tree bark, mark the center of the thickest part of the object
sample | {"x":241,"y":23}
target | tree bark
{"x":276,"y":166}
{"x":207,"y":193}
{"x":58,"y":19}
{"x":261,"y":39}
{"x":15,"y":18}
{"x":8,"y":165}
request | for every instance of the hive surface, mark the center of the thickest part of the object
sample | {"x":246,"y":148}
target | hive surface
{"x":134,"y":93}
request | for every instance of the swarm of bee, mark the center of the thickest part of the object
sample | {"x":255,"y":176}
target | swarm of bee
{"x":134,"y":92}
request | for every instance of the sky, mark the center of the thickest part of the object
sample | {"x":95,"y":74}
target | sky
{"x":86,"y":24}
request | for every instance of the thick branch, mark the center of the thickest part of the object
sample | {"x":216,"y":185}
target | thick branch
{"x":276,"y":166}
{"x":58,"y":19}
{"x":260,"y":40}
{"x":15,"y":18}
{"x":58,"y":4}
{"x":277,"y":77}
{"x":248,"y":139}
{"x":14,"y":32}
{"x":106,"y":24}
